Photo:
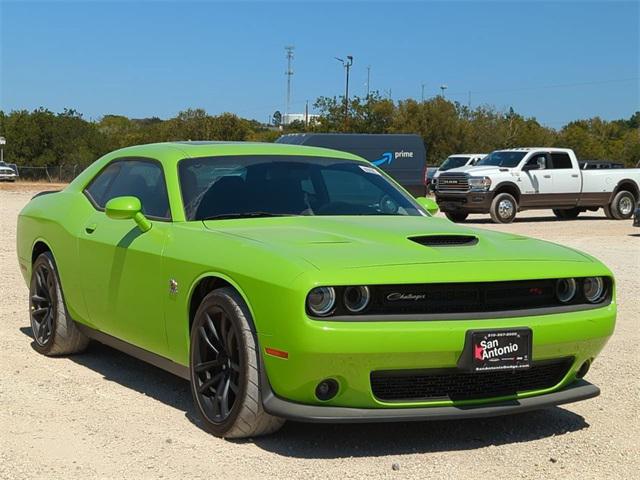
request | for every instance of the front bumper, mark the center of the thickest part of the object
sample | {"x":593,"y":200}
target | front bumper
{"x":469,"y":202}
{"x":579,"y":390}
{"x":350,"y":352}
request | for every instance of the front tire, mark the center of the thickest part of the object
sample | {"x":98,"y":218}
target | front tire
{"x":456,"y":216}
{"x":623,"y":205}
{"x":503,"y":208}
{"x":54,"y":332}
{"x":224,"y":369}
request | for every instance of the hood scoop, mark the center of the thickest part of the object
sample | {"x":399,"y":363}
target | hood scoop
{"x":445,"y":240}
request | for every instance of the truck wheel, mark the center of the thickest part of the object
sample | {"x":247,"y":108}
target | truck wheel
{"x":623,"y":205}
{"x":567,"y":213}
{"x":503,"y":208}
{"x":608,"y":213}
{"x":456,"y":216}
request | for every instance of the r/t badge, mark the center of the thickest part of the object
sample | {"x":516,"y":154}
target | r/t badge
{"x":173,"y":287}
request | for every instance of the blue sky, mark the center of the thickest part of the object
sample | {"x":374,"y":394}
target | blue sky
{"x":157,"y":58}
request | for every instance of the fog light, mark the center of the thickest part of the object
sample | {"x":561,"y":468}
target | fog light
{"x":566,"y":289}
{"x":327,"y":389}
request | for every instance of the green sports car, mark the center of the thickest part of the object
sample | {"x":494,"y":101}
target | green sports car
{"x":289,"y":282}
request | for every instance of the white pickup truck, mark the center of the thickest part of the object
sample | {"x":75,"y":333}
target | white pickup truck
{"x":507,"y":181}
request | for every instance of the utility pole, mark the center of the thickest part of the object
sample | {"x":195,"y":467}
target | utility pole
{"x":306,"y":114}
{"x":368,"y":79}
{"x":423,"y":85}
{"x":469,"y":100}
{"x":289,"y":73}
{"x":347,"y":66}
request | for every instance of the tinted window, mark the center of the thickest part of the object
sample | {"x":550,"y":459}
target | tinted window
{"x":561,"y":160}
{"x":237,"y":186}
{"x":540,"y":159}
{"x":453,"y":162}
{"x":143,"y":179}
{"x":503,"y":159}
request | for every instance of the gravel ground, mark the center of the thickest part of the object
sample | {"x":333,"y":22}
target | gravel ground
{"x":102,"y":414}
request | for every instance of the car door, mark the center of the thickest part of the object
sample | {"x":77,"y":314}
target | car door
{"x":538,"y":183}
{"x":567,"y":181}
{"x":123,"y":282}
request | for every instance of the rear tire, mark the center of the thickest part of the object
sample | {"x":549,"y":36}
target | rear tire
{"x":503,"y":208}
{"x":224,"y":369}
{"x":456,"y":216}
{"x":567,"y":214}
{"x":54,"y":332}
{"x":623,"y":205}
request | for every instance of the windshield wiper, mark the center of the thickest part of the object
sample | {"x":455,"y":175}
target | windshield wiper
{"x":224,"y":216}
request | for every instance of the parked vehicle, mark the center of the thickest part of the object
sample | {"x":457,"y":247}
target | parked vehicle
{"x":296,"y":282}
{"x":507,"y":181}
{"x":636,"y":217}
{"x":403,"y":157}
{"x":597,"y":164}
{"x":428,"y":179}
{"x":7,"y":174}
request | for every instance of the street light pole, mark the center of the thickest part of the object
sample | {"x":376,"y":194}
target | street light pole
{"x":443,"y":88}
{"x":423,"y":85}
{"x":347,"y":66}
{"x":3,"y":142}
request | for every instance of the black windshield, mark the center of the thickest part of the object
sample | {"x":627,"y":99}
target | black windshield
{"x":453,"y":162}
{"x":502,"y":159}
{"x":267,"y":185}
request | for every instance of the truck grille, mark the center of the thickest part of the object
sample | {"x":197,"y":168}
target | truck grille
{"x":453,"y":182}
{"x":454,"y":384}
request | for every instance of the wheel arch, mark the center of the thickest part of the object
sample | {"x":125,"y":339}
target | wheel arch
{"x":39,"y":247}
{"x":626,"y":184}
{"x":205,"y":284}
{"x":507,"y":187}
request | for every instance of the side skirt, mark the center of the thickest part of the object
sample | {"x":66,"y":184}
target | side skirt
{"x":137,"y":352}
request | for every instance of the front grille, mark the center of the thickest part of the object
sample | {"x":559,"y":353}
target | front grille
{"x":462,"y":297}
{"x":453,"y":384}
{"x":453,"y":182}
{"x":445,"y":240}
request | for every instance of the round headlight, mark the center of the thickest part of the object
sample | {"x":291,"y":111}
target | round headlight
{"x":321,"y":300}
{"x":593,"y":288}
{"x":565,"y":289}
{"x":356,"y":299}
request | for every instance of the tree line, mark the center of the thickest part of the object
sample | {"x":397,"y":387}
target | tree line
{"x":44,"y":138}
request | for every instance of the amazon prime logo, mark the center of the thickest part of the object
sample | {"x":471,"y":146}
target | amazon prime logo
{"x":412,"y":297}
{"x":388,"y":157}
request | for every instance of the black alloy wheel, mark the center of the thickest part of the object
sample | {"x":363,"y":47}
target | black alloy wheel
{"x":43,"y":303}
{"x":217,"y":364}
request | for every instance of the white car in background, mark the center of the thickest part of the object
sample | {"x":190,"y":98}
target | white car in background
{"x":456,"y":161}
{"x":7,"y":174}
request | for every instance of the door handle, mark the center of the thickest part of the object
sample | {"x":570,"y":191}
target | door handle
{"x":90,"y":228}
{"x":547,"y":176}
{"x":574,"y":175}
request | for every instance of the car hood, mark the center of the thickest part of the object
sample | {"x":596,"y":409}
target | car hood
{"x":477,"y":171}
{"x":365,"y":241}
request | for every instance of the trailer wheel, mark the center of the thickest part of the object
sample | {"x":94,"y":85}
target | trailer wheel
{"x":503,"y":208}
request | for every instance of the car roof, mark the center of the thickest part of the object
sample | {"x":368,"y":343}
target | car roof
{"x":171,"y":152}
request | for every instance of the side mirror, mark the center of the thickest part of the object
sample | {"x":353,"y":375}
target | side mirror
{"x":531,"y":166}
{"x":127,"y":208}
{"x":428,"y":204}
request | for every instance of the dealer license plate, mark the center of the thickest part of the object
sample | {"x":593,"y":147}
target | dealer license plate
{"x":500,"y":349}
